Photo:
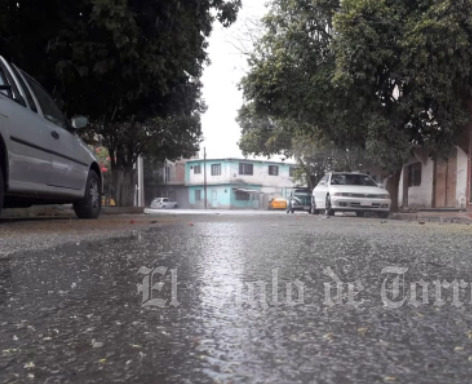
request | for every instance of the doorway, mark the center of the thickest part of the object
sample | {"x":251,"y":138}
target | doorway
{"x":214,"y":198}
{"x":445,"y":179}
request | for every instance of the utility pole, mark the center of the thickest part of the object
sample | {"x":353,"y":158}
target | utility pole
{"x":140,"y":170}
{"x":205,"y":176}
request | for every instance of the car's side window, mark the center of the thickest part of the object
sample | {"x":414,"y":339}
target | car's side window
{"x":26,"y":90}
{"x":338,"y":179}
{"x":9,"y":88}
{"x":4,"y":86}
{"x":49,"y":108}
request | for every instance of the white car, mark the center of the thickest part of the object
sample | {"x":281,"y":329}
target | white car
{"x":350,"y":192}
{"x":42,"y":158}
{"x":163,"y":203}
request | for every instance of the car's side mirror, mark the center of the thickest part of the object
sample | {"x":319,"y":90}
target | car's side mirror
{"x":79,"y":122}
{"x":7,"y":91}
{"x":381,"y":185}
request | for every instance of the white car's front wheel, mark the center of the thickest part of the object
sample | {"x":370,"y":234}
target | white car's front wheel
{"x":90,"y":206}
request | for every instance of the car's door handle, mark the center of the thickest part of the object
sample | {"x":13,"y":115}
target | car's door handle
{"x":55,"y":135}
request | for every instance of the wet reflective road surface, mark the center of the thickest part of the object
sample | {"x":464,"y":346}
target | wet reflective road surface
{"x":243,"y":300}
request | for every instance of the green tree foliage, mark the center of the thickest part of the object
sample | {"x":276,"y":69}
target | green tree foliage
{"x":315,"y":155}
{"x":383,"y":76}
{"x":262,"y":135}
{"x":132,"y":66}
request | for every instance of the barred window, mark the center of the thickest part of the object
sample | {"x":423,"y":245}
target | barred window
{"x":216,"y":169}
{"x":273,"y":170}
{"x":414,"y":175}
{"x":242,"y":196}
{"x":246,"y":169}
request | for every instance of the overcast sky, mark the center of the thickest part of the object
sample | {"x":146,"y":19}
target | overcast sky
{"x":220,"y":79}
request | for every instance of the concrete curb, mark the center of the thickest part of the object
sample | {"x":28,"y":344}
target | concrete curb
{"x":458,"y":218}
{"x":65,"y":211}
{"x":122,"y":210}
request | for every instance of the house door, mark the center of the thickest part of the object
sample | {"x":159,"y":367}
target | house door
{"x":214,"y":199}
{"x":445,"y":182}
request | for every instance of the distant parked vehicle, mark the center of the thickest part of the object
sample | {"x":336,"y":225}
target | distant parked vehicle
{"x":278,"y":203}
{"x":163,"y":203}
{"x":42,"y":159}
{"x":300,"y":200}
{"x":350,"y":192}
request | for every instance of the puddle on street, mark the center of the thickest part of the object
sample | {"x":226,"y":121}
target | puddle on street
{"x":209,"y":303}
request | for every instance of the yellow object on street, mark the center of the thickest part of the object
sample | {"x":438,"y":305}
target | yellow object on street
{"x":278,"y":203}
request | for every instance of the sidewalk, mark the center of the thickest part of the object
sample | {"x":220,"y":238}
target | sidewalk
{"x":66,"y":211}
{"x":441,"y":216}
{"x":61,"y":211}
{"x":209,"y":212}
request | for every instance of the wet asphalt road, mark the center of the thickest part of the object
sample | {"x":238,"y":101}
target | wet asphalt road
{"x":240,"y":300}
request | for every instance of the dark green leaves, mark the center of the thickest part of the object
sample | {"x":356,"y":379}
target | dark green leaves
{"x":386,"y":76}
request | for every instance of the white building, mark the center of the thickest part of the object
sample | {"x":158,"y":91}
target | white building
{"x":441,"y":183}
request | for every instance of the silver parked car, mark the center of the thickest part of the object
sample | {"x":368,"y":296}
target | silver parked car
{"x":350,"y":192}
{"x":163,"y":203}
{"x":42,"y":159}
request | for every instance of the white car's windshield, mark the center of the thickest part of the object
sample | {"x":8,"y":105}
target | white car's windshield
{"x":352,"y":179}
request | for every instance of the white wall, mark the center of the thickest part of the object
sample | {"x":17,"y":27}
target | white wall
{"x":261,"y":175}
{"x":198,"y":179}
{"x":230,"y":175}
{"x":422,"y":196}
{"x":400,"y":190}
{"x":461,"y":189}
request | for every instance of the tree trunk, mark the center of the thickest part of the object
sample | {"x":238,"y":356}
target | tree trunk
{"x":123,"y":186}
{"x":393,"y":183}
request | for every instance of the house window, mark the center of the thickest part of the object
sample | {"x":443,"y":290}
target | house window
{"x":414,"y":175}
{"x":273,"y":170}
{"x":197,"y":169}
{"x":246,"y":169}
{"x":291,"y":171}
{"x":242,"y":196}
{"x":216,"y":169}
{"x":198,"y":195}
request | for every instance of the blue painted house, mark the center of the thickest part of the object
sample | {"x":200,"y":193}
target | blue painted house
{"x":237,"y":183}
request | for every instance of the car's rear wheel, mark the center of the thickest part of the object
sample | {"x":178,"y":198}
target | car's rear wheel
{"x":2,"y":190}
{"x":90,"y":206}
{"x":360,"y":214}
{"x":329,"y":210}
{"x":384,"y":215}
